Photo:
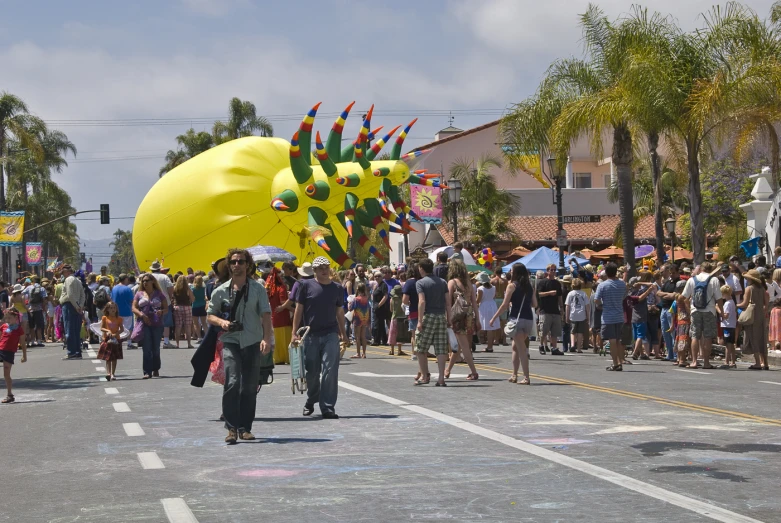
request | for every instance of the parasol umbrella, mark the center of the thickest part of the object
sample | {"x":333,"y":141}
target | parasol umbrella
{"x":681,"y":254}
{"x":610,"y":252}
{"x":644,"y":251}
{"x":269,"y":253}
{"x":586,"y":253}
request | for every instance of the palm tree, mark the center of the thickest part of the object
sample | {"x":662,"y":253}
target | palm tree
{"x":15,"y":125}
{"x":172,"y":160}
{"x":242,"y":121}
{"x":194,"y":143}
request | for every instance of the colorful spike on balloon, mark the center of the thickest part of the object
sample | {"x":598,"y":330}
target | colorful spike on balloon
{"x":334,"y":143}
{"x":322,"y":156}
{"x":377,"y":147}
{"x":396,"y":151}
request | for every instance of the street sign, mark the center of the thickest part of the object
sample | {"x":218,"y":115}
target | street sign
{"x":561,"y":238}
{"x":584,"y":218}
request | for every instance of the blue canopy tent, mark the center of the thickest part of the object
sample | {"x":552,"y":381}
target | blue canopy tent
{"x":539,"y":259}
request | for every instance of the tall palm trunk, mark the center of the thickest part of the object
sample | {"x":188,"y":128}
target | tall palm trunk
{"x":656,"y":168}
{"x":6,"y":255}
{"x":695,"y":203}
{"x":622,"y":159}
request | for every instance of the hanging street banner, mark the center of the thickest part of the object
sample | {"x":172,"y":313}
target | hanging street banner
{"x":34,"y":253}
{"x":11,"y":228}
{"x":426,"y":203}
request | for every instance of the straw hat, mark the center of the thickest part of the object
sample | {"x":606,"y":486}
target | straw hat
{"x":306,"y":269}
{"x":483,"y":278}
{"x":752,"y":275}
{"x":17,"y":288}
{"x":156,"y":266}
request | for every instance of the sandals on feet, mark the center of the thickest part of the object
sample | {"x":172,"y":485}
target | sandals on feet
{"x":355,"y":357}
{"x":472,"y":377}
{"x":8,"y":399}
{"x":513,"y":378}
{"x":525,"y":381}
{"x":443,"y":384}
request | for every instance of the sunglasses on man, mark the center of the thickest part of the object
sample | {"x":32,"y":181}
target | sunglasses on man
{"x":238,"y":262}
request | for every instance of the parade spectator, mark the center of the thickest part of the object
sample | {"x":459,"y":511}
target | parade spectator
{"x":577,"y":315}
{"x":35,"y":296}
{"x":521,"y":299}
{"x":704,"y":294}
{"x":183,"y":310}
{"x":167,"y":288}
{"x":457,"y":254}
{"x":755,"y":335}
{"x":290,"y":274}
{"x":150,"y":305}
{"x":610,"y":297}
{"x":433,"y":319}
{"x":729,"y":319}
{"x":464,"y":315}
{"x":360,"y":308}
{"x":199,"y":308}
{"x":667,"y":296}
{"x":73,"y":300}
{"x":381,"y":310}
{"x":247,"y":333}
{"x":281,"y":320}
{"x":11,"y":339}
{"x":440,"y":269}
{"x":111,"y":326}
{"x":122,"y":295}
{"x":486,"y":306}
{"x":500,"y":284}
{"x":410,"y":299}
{"x":595,"y":318}
{"x":48,"y":308}
{"x":396,"y":320}
{"x":638,"y":300}
{"x":320,"y":306}
{"x":550,"y":296}
{"x":102,"y":295}
{"x":4,"y":298}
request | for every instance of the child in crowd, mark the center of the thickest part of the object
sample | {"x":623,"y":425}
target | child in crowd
{"x":682,"y":323}
{"x":360,"y":308}
{"x":397,"y":316}
{"x":11,"y":338}
{"x":111,"y":346}
{"x":639,"y":302}
{"x":729,"y":320}
{"x":576,"y":315}
{"x":595,"y":320}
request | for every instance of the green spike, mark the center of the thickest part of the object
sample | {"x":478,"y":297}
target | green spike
{"x":285,"y":201}
{"x":319,"y":190}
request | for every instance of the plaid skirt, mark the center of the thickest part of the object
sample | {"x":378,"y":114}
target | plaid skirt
{"x":110,"y":351}
{"x":183,"y":315}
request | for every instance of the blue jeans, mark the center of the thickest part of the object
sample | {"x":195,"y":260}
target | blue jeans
{"x":321,"y":354}
{"x":151,"y":348}
{"x":240,"y":392}
{"x":72,"y":320}
{"x":667,"y":321}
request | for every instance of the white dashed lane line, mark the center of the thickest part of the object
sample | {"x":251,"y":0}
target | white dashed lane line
{"x":177,"y":511}
{"x":111,"y":390}
{"x":133,"y":429}
{"x":121,"y":407}
{"x":771,"y":382}
{"x":150,"y":461}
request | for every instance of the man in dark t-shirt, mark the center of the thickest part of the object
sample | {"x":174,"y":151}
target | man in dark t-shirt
{"x":409,"y":297}
{"x":320,"y":306}
{"x":440,"y":269}
{"x":667,"y":294}
{"x":549,"y":296}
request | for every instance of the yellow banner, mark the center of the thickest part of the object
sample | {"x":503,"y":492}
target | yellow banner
{"x":11,"y":228}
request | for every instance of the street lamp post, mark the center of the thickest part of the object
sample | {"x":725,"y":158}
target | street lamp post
{"x":454,"y":195}
{"x":555,"y":172}
{"x":669,"y":223}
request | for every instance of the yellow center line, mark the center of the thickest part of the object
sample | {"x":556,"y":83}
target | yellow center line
{"x":628,"y":394}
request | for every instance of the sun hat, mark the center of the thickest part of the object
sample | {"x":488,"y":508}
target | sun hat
{"x":752,"y":275}
{"x":17,"y":288}
{"x":27,"y":280}
{"x":483,"y":278}
{"x":687,"y":270}
{"x":156,"y":266}
{"x":306,"y":269}
{"x":589,"y":267}
{"x":680,"y":284}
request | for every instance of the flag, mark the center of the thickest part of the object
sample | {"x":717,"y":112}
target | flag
{"x":11,"y":228}
{"x":426,"y":203}
{"x":34,"y":253}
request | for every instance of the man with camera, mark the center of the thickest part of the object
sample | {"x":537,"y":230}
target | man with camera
{"x":240,"y":307}
{"x":319,"y":306}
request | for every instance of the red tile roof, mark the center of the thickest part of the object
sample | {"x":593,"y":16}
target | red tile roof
{"x":457,"y":135}
{"x":542,"y":229}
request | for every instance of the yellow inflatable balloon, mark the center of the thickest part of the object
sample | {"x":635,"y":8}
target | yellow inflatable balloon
{"x":267,"y":191}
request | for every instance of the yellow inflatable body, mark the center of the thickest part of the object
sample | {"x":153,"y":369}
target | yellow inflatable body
{"x":268,"y":191}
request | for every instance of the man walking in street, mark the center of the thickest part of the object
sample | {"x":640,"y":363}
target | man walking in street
{"x":167,"y":287}
{"x":320,"y":306}
{"x":610,"y":296}
{"x":240,"y":307}
{"x":549,"y":295}
{"x":433,"y":320}
{"x":704,"y":294}
{"x":122,"y":295}
{"x":35,"y":295}
{"x":72,"y":300}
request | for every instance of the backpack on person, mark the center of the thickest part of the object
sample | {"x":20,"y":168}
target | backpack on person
{"x":460,"y":307}
{"x":101,"y":298}
{"x":36,"y":295}
{"x":700,"y":294}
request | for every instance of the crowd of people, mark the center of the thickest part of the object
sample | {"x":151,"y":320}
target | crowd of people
{"x":249,"y":311}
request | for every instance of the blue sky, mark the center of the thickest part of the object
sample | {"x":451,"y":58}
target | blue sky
{"x":97,"y":60}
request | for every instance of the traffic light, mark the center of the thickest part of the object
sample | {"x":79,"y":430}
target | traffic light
{"x":105,"y":219}
{"x":18,"y":265}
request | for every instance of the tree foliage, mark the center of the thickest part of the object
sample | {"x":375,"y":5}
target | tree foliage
{"x":123,"y":259}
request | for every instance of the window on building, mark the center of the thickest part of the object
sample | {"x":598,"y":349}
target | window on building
{"x":608,"y":180}
{"x":582,"y":180}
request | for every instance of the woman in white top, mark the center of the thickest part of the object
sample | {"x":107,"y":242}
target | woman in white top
{"x":577,"y":314}
{"x":487,"y":307}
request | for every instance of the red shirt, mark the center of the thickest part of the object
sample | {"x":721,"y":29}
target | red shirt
{"x":9,"y":341}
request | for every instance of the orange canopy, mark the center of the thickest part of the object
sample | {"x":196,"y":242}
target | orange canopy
{"x":516,"y":253}
{"x":681,"y":254}
{"x":610,"y":252}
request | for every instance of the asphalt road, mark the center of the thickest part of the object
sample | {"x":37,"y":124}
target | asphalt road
{"x":652,"y":443}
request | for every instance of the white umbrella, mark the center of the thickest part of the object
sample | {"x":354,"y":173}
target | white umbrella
{"x":468,"y":260}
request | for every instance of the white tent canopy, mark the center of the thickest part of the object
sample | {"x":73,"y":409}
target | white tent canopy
{"x":468,"y":260}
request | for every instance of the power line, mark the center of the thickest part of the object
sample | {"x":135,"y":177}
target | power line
{"x":97,"y":219}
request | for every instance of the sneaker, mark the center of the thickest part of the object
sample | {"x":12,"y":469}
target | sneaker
{"x":556,"y":352}
{"x":330,"y":415}
{"x":169,"y":345}
{"x":308,"y":409}
{"x":246,"y":435}
{"x":414,"y":357}
{"x":230,"y":439}
{"x":542,"y":350}
{"x":72,"y":357}
{"x":156,"y":373}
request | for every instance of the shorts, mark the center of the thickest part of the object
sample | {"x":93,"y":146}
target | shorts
{"x":184,"y":315}
{"x":37,"y":320}
{"x":612,"y":331}
{"x":703,"y":325}
{"x":580,"y":327}
{"x":728,"y":335}
{"x":551,"y":324}
{"x":7,"y":356}
{"x":199,"y":312}
{"x":434,"y":333}
{"x":413,"y":325}
{"x":640,"y":331}
{"x":502,"y":316}
{"x":524,"y":326}
{"x":168,"y":319}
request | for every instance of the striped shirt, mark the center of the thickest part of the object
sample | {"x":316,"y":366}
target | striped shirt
{"x":612,"y":294}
